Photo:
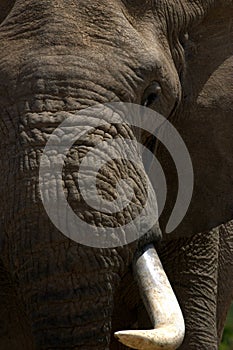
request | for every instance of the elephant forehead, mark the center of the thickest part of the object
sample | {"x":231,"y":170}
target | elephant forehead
{"x":67,"y":22}
{"x":103,"y":70}
{"x":96,"y":41}
{"x":69,"y":19}
{"x":100,"y":38}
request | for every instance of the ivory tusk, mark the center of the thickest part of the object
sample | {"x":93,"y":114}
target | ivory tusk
{"x":161,"y":304}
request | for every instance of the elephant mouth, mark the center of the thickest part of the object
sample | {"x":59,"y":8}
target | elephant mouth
{"x":161,"y":304}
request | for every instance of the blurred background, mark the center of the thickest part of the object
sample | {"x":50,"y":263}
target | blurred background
{"x":227,"y":340}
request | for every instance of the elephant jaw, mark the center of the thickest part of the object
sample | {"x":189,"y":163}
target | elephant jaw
{"x":161,"y":304}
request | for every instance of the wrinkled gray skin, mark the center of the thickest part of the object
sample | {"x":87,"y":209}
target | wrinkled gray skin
{"x":61,"y":56}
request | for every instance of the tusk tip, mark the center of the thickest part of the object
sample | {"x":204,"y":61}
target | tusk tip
{"x":131,"y":339}
{"x":150,"y":339}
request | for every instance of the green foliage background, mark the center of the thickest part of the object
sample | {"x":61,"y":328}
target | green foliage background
{"x":227,"y":340}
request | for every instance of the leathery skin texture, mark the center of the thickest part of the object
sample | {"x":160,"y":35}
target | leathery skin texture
{"x":58,"y":57}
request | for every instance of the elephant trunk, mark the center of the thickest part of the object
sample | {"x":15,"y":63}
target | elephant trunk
{"x":161,"y":304}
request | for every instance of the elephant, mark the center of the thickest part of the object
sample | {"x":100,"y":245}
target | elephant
{"x":58,"y":59}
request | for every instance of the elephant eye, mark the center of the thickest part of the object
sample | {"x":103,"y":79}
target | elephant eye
{"x":151,"y":94}
{"x":184,"y":39}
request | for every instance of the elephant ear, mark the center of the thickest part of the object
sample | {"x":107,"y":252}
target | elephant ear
{"x":202,"y":7}
{"x":5,"y":8}
{"x":205,"y":122}
{"x":209,"y":48}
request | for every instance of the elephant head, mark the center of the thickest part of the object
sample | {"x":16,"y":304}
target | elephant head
{"x":58,"y":59}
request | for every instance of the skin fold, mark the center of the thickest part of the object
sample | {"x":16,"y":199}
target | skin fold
{"x":59,"y":57}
